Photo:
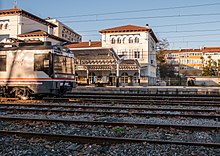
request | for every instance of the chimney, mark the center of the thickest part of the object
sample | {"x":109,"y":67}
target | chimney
{"x":89,"y":42}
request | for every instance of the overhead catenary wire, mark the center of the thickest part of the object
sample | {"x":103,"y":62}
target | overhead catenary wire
{"x":178,"y":15}
{"x":143,"y":10}
{"x":145,"y":17}
{"x":168,"y":25}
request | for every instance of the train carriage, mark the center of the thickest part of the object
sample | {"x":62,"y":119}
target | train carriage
{"x":35,"y":68}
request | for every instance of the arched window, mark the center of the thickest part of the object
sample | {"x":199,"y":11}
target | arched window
{"x":113,"y":41}
{"x":6,"y":26}
{"x":136,"y":40}
{"x":130,"y":40}
{"x":124,"y":78}
{"x":119,"y":41}
{"x":1,"y":25}
{"x":124,"y":40}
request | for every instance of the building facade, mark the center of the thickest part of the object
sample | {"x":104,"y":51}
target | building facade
{"x":64,"y":32}
{"x":134,"y":42}
{"x":101,"y":65}
{"x":190,"y":62}
{"x":20,"y":24}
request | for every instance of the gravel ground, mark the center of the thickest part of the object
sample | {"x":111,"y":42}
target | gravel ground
{"x":12,"y":145}
{"x":125,"y":105}
{"x":109,"y":131}
{"x":115,"y":110}
{"x":108,"y":118}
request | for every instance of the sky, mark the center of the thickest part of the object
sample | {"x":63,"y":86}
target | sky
{"x":184,"y":23}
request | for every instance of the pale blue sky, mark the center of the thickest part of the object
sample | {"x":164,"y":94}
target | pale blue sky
{"x":191,"y":31}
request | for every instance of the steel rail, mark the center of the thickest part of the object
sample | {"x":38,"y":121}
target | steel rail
{"x":148,"y":102}
{"x":107,"y":107}
{"x":140,"y":93}
{"x":121,"y":124}
{"x":103,"y":140}
{"x":209,"y":116}
{"x":142,"y":96}
{"x":144,"y":100}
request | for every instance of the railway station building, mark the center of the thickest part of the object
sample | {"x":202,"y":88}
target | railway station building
{"x":126,"y":55}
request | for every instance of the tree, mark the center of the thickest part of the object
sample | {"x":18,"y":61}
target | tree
{"x":164,"y":70}
{"x":210,"y":68}
{"x":162,"y":44}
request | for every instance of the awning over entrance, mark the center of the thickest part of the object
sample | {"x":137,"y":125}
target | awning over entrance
{"x":96,"y":56}
{"x":103,"y":65}
{"x":101,"y":59}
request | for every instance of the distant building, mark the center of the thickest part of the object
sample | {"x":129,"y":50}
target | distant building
{"x":189,"y":62}
{"x":134,"y":42}
{"x":20,"y":24}
{"x":63,"y":31}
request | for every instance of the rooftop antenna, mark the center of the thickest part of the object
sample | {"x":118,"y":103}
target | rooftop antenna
{"x":15,"y":3}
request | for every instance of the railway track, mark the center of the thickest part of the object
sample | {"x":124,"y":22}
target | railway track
{"x":142,"y":114}
{"x":106,"y":139}
{"x":117,"y":101}
{"x":77,"y":106}
{"x":110,"y":111}
{"x":130,"y":96}
{"x":127,"y":124}
{"x":103,"y":140}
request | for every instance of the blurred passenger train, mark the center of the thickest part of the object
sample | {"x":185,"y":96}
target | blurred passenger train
{"x":30,"y":69}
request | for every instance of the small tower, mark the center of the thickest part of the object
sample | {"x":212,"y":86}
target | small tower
{"x":15,"y":3}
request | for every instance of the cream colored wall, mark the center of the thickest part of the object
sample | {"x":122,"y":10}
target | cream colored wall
{"x":142,"y":46}
{"x":12,"y":25}
{"x":146,"y":46}
{"x":31,"y":25}
{"x":20,"y":24}
{"x":59,"y":28}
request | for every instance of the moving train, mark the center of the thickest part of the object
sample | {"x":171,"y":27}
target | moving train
{"x":31,"y":69}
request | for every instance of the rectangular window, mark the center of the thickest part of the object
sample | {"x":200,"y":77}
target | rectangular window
{"x":42,"y":63}
{"x":63,"y":65}
{"x":2,"y":62}
{"x":136,"y":54}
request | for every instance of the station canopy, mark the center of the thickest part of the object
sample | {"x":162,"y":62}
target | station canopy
{"x":101,"y":58}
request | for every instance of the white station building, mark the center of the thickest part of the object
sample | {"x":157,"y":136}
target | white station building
{"x":125,"y":56}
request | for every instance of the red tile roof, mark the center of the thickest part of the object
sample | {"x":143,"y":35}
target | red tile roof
{"x":204,"y":49}
{"x":17,"y":11}
{"x":41,"y":33}
{"x":130,"y":28}
{"x":92,"y":44}
{"x":211,"y":49}
{"x":126,"y":28}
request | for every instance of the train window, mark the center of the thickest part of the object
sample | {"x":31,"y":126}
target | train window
{"x":63,"y":64}
{"x":46,"y":63}
{"x":2,"y":62}
{"x":42,"y":63}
